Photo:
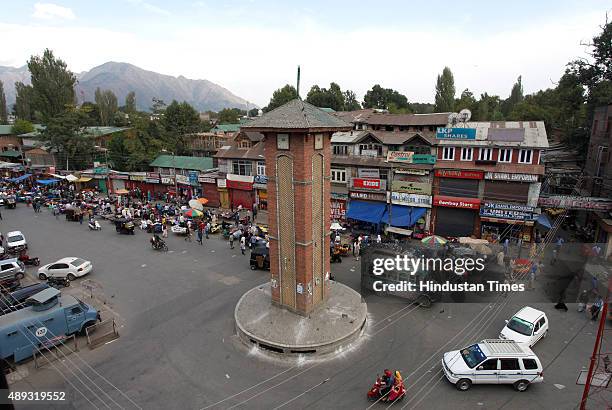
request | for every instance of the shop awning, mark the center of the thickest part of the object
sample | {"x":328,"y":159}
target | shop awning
{"x":399,"y":231}
{"x":544,"y":221}
{"x":58,"y":176}
{"x":19,"y":179}
{"x":364,"y":211}
{"x":47,"y":181}
{"x":84,"y":179}
{"x":405,"y":216}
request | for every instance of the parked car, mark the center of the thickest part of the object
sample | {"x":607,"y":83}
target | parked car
{"x":494,"y":361}
{"x":12,"y":267}
{"x":528,"y":326}
{"x":70,"y":268}
{"x":15,"y":242}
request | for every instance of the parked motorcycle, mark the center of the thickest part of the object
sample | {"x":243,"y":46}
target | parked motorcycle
{"x":159,"y":245}
{"x":397,"y":392}
{"x":25,"y":258}
{"x":56,"y":282}
{"x":94,"y":225}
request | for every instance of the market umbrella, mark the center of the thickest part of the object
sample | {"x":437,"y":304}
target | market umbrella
{"x":195,"y":204}
{"x":336,"y":227}
{"x":122,"y":192}
{"x":434,"y":240}
{"x":192,"y":213}
{"x":203,"y":201}
{"x":71,"y":178}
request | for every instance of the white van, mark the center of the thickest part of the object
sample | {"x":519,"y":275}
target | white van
{"x":527,"y":326}
{"x":493,"y":361}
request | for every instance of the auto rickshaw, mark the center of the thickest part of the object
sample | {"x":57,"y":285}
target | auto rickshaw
{"x":124,"y":226}
{"x":215,"y":228}
{"x":260,"y":258}
{"x":344,"y":249}
{"x":72,"y":214}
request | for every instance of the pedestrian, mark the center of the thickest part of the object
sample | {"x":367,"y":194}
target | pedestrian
{"x":188,"y":232}
{"x":500,"y":258}
{"x":506,"y":245}
{"x":356,"y":249}
{"x":596,"y":308}
{"x":532,"y":276}
{"x":0,"y":215}
{"x":199,"y":234}
{"x":583,"y":298}
{"x":242,"y":244}
{"x":378,"y":239}
{"x":559,"y":243}
{"x":207,"y":229}
{"x":231,"y":241}
{"x":165,"y":231}
{"x":553,"y":259}
{"x":81,"y":218}
{"x":254,"y":212}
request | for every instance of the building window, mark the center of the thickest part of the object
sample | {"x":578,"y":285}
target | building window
{"x":338,"y":175}
{"x":340,"y":150}
{"x":448,"y":153}
{"x":261,"y":168}
{"x":485,"y":154}
{"x":384,"y":174}
{"x":525,"y":156}
{"x":370,"y":148}
{"x":467,"y":154}
{"x":241,"y":167}
{"x":505,"y":155}
{"x":244,"y":143}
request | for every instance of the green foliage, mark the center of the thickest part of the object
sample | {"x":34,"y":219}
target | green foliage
{"x":445,"y":91}
{"x":382,"y":98}
{"x":130,"y":102}
{"x":467,"y":100}
{"x":52,"y":84}
{"x":253,"y":112}
{"x":135,"y":150}
{"x":326,"y":98}
{"x":350,"y":101}
{"x":106,"y":101}
{"x":230,"y":115}
{"x":92,"y":112}
{"x":24,"y":106}
{"x":516,"y":96}
{"x":179,"y":120}
{"x":22,"y":127}
{"x":281,"y":96}
{"x":3,"y":109}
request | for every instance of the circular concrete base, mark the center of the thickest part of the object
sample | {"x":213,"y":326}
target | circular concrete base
{"x":332,"y":326}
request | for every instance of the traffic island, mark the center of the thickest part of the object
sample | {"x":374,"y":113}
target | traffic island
{"x":327,"y":329}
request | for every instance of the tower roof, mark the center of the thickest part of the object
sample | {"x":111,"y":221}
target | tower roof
{"x":297,"y":115}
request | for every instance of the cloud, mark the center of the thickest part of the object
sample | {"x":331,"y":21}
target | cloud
{"x":50,"y":11}
{"x":151,"y":7}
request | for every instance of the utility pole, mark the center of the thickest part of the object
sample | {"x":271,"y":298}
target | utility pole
{"x":298,"y":82}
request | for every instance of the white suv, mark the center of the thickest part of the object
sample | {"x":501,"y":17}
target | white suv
{"x":527,"y":326}
{"x":493,"y":361}
{"x":15,"y":242}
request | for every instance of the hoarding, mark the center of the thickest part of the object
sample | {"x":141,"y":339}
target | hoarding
{"x":368,"y":183}
{"x":456,"y":133}
{"x":452,"y":202}
{"x":411,"y":187}
{"x":453,"y":173}
{"x":402,"y":198}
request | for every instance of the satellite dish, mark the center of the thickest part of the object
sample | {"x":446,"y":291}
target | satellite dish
{"x":453,"y":118}
{"x":465,"y":115}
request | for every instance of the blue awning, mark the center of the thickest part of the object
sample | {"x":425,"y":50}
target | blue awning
{"x":366,"y":211}
{"x":19,"y":179}
{"x":47,"y":181}
{"x":403,"y":215}
{"x":544,"y":221}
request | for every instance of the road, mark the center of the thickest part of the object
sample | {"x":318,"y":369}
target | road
{"x":178,"y":347}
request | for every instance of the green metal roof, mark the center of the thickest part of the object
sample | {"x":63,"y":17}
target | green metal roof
{"x":327,"y":109}
{"x":181,"y":162}
{"x":227,"y":128}
{"x":11,"y":153}
{"x":97,"y":131}
{"x":8,"y":129}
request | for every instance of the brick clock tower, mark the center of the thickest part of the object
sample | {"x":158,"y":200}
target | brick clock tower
{"x":297,"y":141}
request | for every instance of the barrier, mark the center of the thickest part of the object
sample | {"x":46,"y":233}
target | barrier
{"x":63,"y":346}
{"x":101,"y":333}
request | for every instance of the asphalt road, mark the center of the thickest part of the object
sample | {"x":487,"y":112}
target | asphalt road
{"x":178,"y":347}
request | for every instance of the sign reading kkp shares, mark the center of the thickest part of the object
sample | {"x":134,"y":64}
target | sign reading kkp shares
{"x":456,"y":133}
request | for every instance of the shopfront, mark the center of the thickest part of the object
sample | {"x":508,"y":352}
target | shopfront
{"x":209,"y":190}
{"x":499,"y":221}
{"x":224,"y":198}
{"x":418,"y":209}
{"x":365,"y":209}
{"x":338,"y":205}
{"x":260,"y":185}
{"x":455,"y":216}
{"x":240,"y":191}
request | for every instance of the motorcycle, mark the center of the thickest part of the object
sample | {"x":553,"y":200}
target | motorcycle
{"x":397,"y":392}
{"x":55,"y":282}
{"x":94,"y":225}
{"x":159,"y":245}
{"x":25,"y":258}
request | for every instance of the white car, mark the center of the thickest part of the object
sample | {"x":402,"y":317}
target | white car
{"x":15,"y":242}
{"x":527,"y":326}
{"x":70,"y":268}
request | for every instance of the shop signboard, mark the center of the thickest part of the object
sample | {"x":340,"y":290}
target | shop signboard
{"x":402,"y":198}
{"x":369,"y":183}
{"x":400,"y":156}
{"x":504,"y":176}
{"x":206,"y":180}
{"x":506,"y":211}
{"x":119,"y":176}
{"x":193,"y":177}
{"x":423,"y":159}
{"x":452,"y":202}
{"x":152,"y":178}
{"x":369,"y":152}
{"x":577,"y":203}
{"x":221,"y":183}
{"x":260,"y":179}
{"x":411,"y":171}
{"x":338,"y":210}
{"x":456,"y":133}
{"x":182,"y":179}
{"x":241,"y":185}
{"x":370,"y":196}
{"x":167,"y":179}
{"x":338,"y":195}
{"x":411,"y":187}
{"x":455,"y":173}
{"x":368,"y":173}
{"x":138,"y":176}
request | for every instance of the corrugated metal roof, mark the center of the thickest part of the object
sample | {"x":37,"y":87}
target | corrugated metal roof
{"x":535,"y":134}
{"x":227,"y":128}
{"x":183,"y":162}
{"x":346,"y":137}
{"x":436,"y":119}
{"x":11,"y":153}
{"x":256,"y":152}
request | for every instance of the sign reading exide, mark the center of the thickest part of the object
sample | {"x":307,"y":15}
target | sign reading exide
{"x":456,"y":133}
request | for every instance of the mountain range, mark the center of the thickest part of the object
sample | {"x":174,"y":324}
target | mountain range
{"x":122,"y":78}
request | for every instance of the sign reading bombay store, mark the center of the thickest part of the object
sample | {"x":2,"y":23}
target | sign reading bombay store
{"x":338,"y":210}
{"x":577,"y":203}
{"x":455,"y":173}
{"x":504,"y":176}
{"x":402,"y":198}
{"x":506,"y":211}
{"x":400,"y":156}
{"x":456,"y":133}
{"x":369,"y":183}
{"x":411,"y":187}
{"x":370,"y":196}
{"x":452,"y":202}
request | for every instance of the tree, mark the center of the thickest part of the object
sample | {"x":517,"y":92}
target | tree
{"x":107,"y":106}
{"x":381,"y":98}
{"x":281,"y":96}
{"x":488,"y":108}
{"x":24,"y":108}
{"x":326,"y":98}
{"x":65,"y":133}
{"x":445,"y":91}
{"x":3,"y":109}
{"x":516,"y":96}
{"x":180,"y":119}
{"x":52,"y":84}
{"x":92,"y":112}
{"x":253,"y":112}
{"x":158,"y":107}
{"x":22,"y":127}
{"x":230,"y":115}
{"x":130,"y":102}
{"x":350,"y":101}
{"x":466,"y":100}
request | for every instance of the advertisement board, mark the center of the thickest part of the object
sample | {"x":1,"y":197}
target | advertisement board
{"x":182,"y":179}
{"x":193,"y":177}
{"x":167,"y":180}
{"x":506,"y":211}
{"x":504,"y":176}
{"x":423,"y":159}
{"x":456,"y":133}
{"x":400,"y":156}
{"x":369,"y":183}
{"x":576,"y":203}
{"x":452,"y":202}
{"x":370,"y":196}
{"x":221,"y":183}
{"x":368,"y":173}
{"x":338,"y":210}
{"x":453,"y":173}
{"x":402,"y":198}
{"x":411,"y":187}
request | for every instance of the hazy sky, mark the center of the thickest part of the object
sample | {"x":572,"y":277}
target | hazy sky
{"x":252,"y":47}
